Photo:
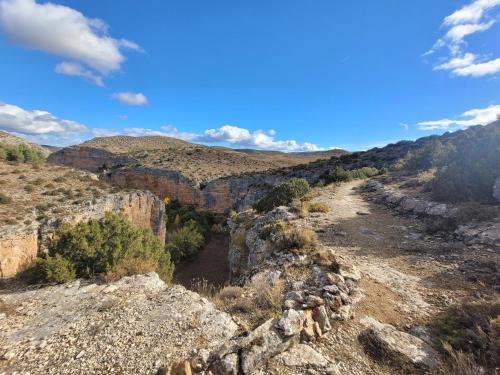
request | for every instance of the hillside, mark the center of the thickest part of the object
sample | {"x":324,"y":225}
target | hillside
{"x":198,"y":162}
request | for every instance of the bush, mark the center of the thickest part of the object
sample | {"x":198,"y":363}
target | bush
{"x":342,"y":175}
{"x":297,"y":238}
{"x":55,"y":269}
{"x":100,"y":247}
{"x":318,"y":207}
{"x":472,"y":328}
{"x":5,"y":199}
{"x":185,"y":242}
{"x":283,"y":194}
{"x":21,"y":153}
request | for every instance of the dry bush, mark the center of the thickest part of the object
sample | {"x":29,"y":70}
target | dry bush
{"x":297,"y":238}
{"x":129,"y":267}
{"x":230,"y":293}
{"x":324,"y":257}
{"x":268,"y":296}
{"x":300,"y":208}
{"x":318,"y":207}
{"x":204,"y":288}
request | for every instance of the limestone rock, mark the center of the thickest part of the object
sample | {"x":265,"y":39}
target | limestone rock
{"x":291,"y":322}
{"x":400,"y":347}
{"x":302,"y":356}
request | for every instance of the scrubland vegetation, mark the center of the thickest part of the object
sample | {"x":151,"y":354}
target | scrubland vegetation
{"x":283,"y":194}
{"x":21,"y":153}
{"x":467,"y":164}
{"x":109,"y":247}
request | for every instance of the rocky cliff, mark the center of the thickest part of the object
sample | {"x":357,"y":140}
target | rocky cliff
{"x":20,"y":243}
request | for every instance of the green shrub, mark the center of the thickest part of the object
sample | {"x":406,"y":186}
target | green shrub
{"x":340,"y":174}
{"x":283,"y":194}
{"x":99,"y":246}
{"x":185,"y":242}
{"x":5,"y":199}
{"x":21,"y":153}
{"x":54,"y":269}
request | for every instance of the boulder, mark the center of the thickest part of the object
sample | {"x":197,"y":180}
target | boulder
{"x":303,"y":356}
{"x":385,"y":342}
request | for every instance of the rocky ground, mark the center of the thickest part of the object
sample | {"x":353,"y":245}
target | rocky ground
{"x":373,"y":279}
{"x":133,"y":326}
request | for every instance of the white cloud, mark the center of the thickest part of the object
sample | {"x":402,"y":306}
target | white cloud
{"x":404,"y":125}
{"x":471,"y":13}
{"x":75,"y":69}
{"x":470,"y":19}
{"x":40,"y":126}
{"x":482,"y":116}
{"x":64,"y":32}
{"x":130,"y":98}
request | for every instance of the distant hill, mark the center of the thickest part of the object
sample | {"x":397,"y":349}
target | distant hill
{"x":9,"y":139}
{"x":200,"y":162}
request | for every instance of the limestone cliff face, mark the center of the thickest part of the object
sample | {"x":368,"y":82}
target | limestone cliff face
{"x":19,"y":244}
{"x":219,"y":195}
{"x":91,"y":159}
{"x":16,"y":250}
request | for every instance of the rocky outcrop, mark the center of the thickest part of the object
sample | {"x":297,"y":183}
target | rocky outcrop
{"x":218,"y":195}
{"x":17,"y":249}
{"x":19,"y":244}
{"x":312,"y":303}
{"x":386,"y":342}
{"x":134,"y":326}
{"x":407,"y":204}
{"x":88,"y":158}
{"x":487,"y":233}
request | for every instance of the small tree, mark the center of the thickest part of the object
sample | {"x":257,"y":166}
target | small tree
{"x":185,"y":242}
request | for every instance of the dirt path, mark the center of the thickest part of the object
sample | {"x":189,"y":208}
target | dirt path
{"x":408,"y":276}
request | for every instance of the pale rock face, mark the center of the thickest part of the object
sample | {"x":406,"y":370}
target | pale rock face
{"x":137,"y":325}
{"x":398,"y":346}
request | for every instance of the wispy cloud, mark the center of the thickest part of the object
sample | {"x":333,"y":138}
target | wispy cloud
{"x":405,"y":126}
{"x":130,"y":98}
{"x":482,"y":116}
{"x":65,"y":32}
{"x":473,"y":18}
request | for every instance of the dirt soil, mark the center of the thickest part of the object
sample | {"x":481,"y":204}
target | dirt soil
{"x":210,"y":264}
{"x":408,"y":276}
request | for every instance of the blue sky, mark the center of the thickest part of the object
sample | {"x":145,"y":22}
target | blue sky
{"x":289,"y":75}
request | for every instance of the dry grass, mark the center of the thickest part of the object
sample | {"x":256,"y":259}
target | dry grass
{"x":318,"y":207}
{"x":298,"y":238}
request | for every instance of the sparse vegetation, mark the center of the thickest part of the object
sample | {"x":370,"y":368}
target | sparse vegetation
{"x":469,"y":335}
{"x":109,"y":246}
{"x":340,"y":174}
{"x":283,"y":194}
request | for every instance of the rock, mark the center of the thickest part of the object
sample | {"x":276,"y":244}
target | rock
{"x":261,"y":344}
{"x":402,"y":348}
{"x":320,"y":315}
{"x":291,"y":322}
{"x":352,"y":274}
{"x":332,"y":289}
{"x":228,"y":365}
{"x":302,"y":356}
{"x":308,"y":333}
{"x":181,"y":368}
{"x":334,"y":278}
{"x":313,"y":301}
{"x":496,"y":189}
